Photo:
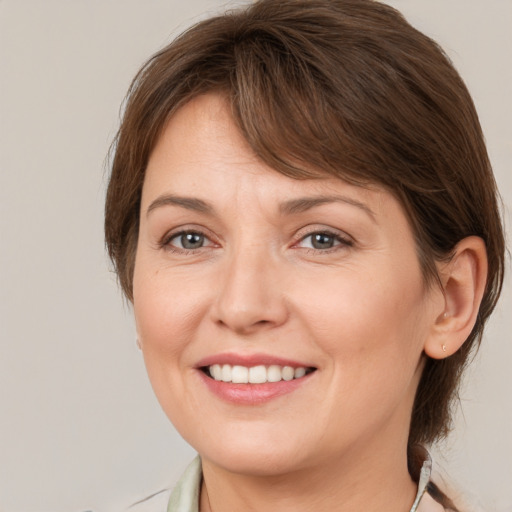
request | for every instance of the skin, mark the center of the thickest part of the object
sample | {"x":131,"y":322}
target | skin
{"x":358,"y":312}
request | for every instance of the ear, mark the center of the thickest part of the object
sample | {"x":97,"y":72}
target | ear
{"x":463,"y":281}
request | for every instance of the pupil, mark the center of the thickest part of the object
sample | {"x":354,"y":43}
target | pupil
{"x":192,"y":240}
{"x":322,"y":241}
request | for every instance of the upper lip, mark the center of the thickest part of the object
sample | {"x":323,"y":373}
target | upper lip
{"x":249,"y":360}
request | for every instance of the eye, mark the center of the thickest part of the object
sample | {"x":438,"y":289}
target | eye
{"x":188,"y":240}
{"x":323,"y":240}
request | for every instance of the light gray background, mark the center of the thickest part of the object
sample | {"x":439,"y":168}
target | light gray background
{"x":79,"y":426}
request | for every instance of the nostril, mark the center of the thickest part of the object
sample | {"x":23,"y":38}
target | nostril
{"x":244,"y":323}
{"x":248,"y":299}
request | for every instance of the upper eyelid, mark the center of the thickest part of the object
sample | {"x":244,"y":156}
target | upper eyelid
{"x":342,"y":241}
{"x":299,"y":235}
{"x":188,"y":228}
{"x":305,"y":232}
{"x":166,"y":239}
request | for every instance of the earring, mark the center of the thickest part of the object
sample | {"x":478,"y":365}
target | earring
{"x":444,"y":347}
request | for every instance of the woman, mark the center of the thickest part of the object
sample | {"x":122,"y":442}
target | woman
{"x":302,"y":211}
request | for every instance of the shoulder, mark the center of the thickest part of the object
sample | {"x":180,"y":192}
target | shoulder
{"x":155,"y":503}
{"x":184,"y":497}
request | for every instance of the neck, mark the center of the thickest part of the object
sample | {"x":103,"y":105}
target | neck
{"x":373,"y":481}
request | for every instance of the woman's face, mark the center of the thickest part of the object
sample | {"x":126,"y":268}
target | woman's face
{"x":240,"y":269}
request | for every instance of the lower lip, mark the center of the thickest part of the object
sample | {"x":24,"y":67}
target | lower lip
{"x":252,"y":394}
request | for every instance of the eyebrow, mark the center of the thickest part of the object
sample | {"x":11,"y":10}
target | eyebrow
{"x":306,"y":203}
{"x":290,"y":207}
{"x":190,"y":203}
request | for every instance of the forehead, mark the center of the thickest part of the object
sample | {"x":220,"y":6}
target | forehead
{"x":202,"y":129}
{"x":201,"y":152}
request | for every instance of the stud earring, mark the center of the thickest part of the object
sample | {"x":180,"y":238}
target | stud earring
{"x":444,"y":347}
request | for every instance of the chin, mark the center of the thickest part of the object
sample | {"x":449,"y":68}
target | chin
{"x":252,"y":451}
{"x":255,"y":463}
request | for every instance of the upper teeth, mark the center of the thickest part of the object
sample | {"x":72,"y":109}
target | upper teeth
{"x":255,"y":374}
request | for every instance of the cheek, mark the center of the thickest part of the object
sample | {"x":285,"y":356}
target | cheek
{"x":167,"y":309}
{"x":368,"y":321}
{"x":167,"y":312}
{"x":373,"y":338}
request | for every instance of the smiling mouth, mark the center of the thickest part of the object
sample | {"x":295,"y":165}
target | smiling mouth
{"x":237,"y":374}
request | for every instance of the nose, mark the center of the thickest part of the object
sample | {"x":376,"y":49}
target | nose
{"x":250,"y":295}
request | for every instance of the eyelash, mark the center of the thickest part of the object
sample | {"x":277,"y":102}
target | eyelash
{"x":165,"y":243}
{"x":339,"y":241}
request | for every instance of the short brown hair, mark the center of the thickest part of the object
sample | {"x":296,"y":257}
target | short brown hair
{"x":345,"y":87}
